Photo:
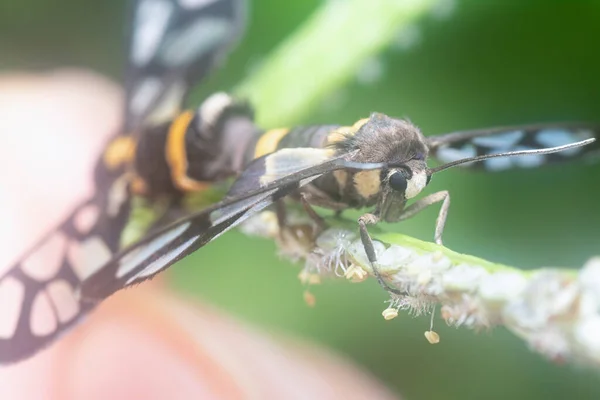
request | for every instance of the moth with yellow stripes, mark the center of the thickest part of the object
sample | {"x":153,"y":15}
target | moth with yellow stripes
{"x":165,"y":156}
{"x":378,"y":163}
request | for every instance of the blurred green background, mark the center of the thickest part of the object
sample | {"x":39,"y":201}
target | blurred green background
{"x":483,"y":64}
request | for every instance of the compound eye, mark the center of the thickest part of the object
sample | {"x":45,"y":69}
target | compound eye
{"x":398,"y":182}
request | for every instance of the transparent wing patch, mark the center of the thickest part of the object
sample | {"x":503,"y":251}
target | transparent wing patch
{"x":173,"y":44}
{"x":39,"y":294}
{"x":172,"y":243}
{"x":78,"y":264}
{"x":459,"y":145}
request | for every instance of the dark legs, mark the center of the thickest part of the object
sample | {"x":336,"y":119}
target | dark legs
{"x":413,"y":209}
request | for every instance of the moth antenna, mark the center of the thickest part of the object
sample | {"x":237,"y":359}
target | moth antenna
{"x":548,"y":150}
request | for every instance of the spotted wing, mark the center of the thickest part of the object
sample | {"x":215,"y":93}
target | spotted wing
{"x":39,"y":293}
{"x":160,"y":250}
{"x":459,"y":145}
{"x":173,"y":44}
{"x":72,"y":269}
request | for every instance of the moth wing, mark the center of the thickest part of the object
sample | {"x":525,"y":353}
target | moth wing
{"x":276,"y":165}
{"x":459,"y":145}
{"x":160,"y":250}
{"x":71,"y":269}
{"x":172,"y":45}
{"x":39,"y":293}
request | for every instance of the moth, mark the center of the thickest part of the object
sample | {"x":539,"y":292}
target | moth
{"x":166,"y":155}
{"x":379,"y":164}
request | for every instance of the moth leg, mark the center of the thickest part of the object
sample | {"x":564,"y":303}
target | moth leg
{"x":425,"y":202}
{"x":320,"y":224}
{"x":295,"y":239}
{"x":281,"y":215}
{"x":363,"y":221}
{"x":317,"y":198}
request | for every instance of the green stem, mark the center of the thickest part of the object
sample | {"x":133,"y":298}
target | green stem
{"x":553,"y":310}
{"x":314,"y":61}
{"x":424,"y":247}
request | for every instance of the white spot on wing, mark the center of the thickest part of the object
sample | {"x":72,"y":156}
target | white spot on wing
{"x":504,"y":140}
{"x":64,"y":300}
{"x":144,"y":94}
{"x":88,"y":256}
{"x":529,"y":161}
{"x":225,"y":213}
{"x":12,"y":293}
{"x":117,"y":195}
{"x":46,"y":260}
{"x":554,"y":137}
{"x":287,"y":161}
{"x":256,"y":208}
{"x":42,"y":319}
{"x":195,"y":3}
{"x":131,"y":261}
{"x":158,"y":264}
{"x":195,"y":40}
{"x":169,"y":104}
{"x":449,"y":154}
{"x":498,"y":164}
{"x":151,"y":21}
{"x":560,"y":137}
{"x":86,"y":218}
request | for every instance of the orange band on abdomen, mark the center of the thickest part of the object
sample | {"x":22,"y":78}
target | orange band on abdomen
{"x":176,"y":155}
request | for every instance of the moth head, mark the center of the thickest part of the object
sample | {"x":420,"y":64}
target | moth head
{"x":400,"y":184}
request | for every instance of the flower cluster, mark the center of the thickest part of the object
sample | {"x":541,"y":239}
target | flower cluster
{"x":556,"y":311}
